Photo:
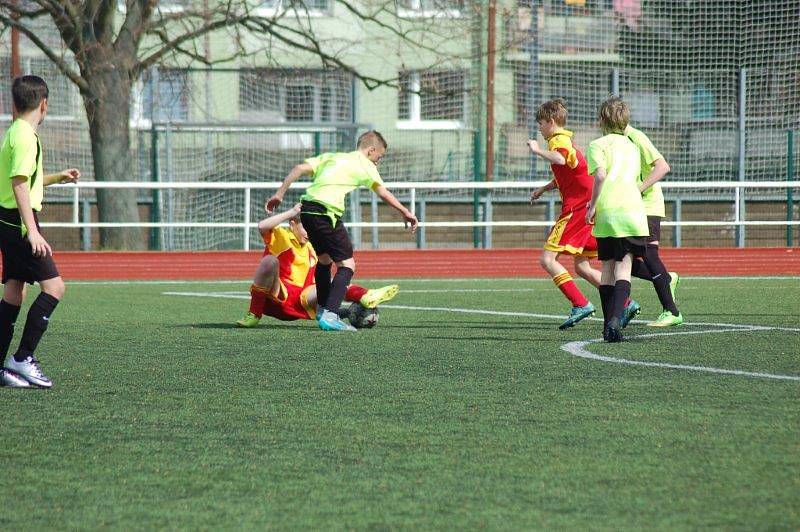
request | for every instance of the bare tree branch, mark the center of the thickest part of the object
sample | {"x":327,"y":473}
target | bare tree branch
{"x":55,"y":58}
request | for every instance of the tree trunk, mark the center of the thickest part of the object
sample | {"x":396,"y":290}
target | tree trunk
{"x":108,"y":112}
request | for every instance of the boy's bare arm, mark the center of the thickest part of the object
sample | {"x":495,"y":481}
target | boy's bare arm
{"x":389,"y":198}
{"x":276,"y":199}
{"x":660,"y":169}
{"x":70,"y":175}
{"x":599,"y":178}
{"x":39,"y":245}
{"x":553,"y":157}
{"x":268,"y":224}
{"x":536,"y":194}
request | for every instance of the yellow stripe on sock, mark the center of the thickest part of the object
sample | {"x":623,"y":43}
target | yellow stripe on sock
{"x":562,"y":279}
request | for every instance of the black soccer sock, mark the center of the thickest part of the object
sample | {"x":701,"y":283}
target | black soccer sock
{"x":35,"y":325}
{"x":622,"y":291}
{"x":606,"y":297}
{"x":322,"y":278}
{"x":8,"y":317}
{"x":661,"y":279}
{"x":339,"y":288}
{"x":640,"y":270}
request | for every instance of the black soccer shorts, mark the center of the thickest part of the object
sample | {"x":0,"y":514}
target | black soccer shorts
{"x":324,"y":235}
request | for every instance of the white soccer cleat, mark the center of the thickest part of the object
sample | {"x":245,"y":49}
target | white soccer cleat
{"x":12,"y":380}
{"x":29,"y":370}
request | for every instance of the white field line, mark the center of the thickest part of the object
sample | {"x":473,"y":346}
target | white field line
{"x":463,"y":280}
{"x":578,"y":348}
{"x":740,"y":326}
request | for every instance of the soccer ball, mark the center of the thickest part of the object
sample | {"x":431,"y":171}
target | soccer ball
{"x":362,"y":317}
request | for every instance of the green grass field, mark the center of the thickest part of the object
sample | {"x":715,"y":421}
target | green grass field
{"x":164,"y":416}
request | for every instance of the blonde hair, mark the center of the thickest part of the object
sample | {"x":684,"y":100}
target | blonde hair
{"x":614,"y":115}
{"x":555,"y":110}
{"x":372,"y":139}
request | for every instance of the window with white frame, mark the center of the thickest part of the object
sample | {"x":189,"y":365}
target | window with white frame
{"x":313,"y":7}
{"x":430,"y":8}
{"x":277,"y":96}
{"x":164,"y":97}
{"x":436,"y":97}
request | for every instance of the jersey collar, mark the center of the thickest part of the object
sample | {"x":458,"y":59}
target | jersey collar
{"x":561,"y":131}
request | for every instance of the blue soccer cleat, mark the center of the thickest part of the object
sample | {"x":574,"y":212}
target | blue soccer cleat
{"x":330,"y":321}
{"x":577,"y":314}
{"x":629,"y":313}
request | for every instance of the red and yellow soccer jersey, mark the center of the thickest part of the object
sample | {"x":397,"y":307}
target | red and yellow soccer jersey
{"x":573,"y":180}
{"x":296,"y":260}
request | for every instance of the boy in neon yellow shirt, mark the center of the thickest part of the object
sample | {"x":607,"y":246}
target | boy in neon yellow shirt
{"x":322,"y":207}
{"x":27,"y":257}
{"x":654,"y":168}
{"x":617,"y":211}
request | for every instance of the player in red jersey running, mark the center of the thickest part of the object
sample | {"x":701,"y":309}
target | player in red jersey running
{"x":571,"y":234}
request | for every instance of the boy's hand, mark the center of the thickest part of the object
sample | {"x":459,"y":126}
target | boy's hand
{"x":590,"y":214}
{"x":534,"y":146}
{"x":536,"y":194}
{"x":410,"y":219}
{"x":295,"y":210}
{"x":39,"y":245}
{"x":70,"y":175}
{"x":273,"y":203}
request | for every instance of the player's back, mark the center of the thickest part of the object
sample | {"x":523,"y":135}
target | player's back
{"x":336,"y":175}
{"x":653,"y":197}
{"x":572,"y":178}
{"x":620,"y":210}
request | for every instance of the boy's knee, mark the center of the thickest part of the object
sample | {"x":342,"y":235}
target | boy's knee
{"x":14,"y":292}
{"x":54,"y":287}
{"x":347,"y":263}
{"x":546,"y":260}
{"x":269,"y":263}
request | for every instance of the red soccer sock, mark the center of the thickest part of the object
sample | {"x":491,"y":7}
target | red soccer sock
{"x":258,"y":296}
{"x":354,"y":293}
{"x":570,"y":290}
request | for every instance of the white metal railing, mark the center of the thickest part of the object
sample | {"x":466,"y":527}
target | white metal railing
{"x":246,"y":224}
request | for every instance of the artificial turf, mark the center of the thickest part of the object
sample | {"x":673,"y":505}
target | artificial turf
{"x":165,"y":416}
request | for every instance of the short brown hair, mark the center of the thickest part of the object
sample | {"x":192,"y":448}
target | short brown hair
{"x":372,"y":138}
{"x":28,"y":92}
{"x":555,"y":110}
{"x":614,"y":115}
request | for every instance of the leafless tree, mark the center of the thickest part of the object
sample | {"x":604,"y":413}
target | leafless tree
{"x":107,"y":45}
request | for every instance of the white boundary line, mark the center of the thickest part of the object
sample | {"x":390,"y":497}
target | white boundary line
{"x":578,"y":348}
{"x":430,"y":280}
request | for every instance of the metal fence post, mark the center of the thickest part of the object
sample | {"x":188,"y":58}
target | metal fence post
{"x":247,"y":219}
{"x":487,"y":217}
{"x":374,"y":216}
{"x":355,"y":216}
{"x":614,"y":82}
{"x":421,"y":243}
{"x":740,"y":201}
{"x":678,"y":228}
{"x":86,"y":232}
{"x":789,"y":178}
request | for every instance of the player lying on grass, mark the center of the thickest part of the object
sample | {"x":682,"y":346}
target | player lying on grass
{"x":336,"y":175}
{"x":570,"y":235}
{"x":283,"y":285}
{"x":617,"y":211}
{"x":650,"y":268}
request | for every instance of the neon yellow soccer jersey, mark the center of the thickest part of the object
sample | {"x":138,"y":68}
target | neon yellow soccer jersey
{"x":619,"y":211}
{"x":653,"y":197}
{"x":21,"y":155}
{"x":336,"y":175}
